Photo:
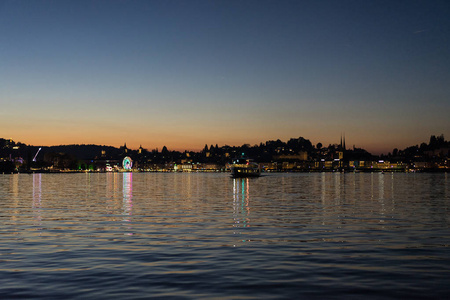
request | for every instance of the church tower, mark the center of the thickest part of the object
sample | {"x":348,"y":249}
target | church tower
{"x":342,"y":146}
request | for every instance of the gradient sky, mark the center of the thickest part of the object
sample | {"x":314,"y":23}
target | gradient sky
{"x":189,"y":73}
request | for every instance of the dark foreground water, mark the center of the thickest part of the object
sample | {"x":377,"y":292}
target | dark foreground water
{"x":281,"y":236}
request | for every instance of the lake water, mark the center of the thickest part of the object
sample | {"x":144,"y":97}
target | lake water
{"x":205,"y":235}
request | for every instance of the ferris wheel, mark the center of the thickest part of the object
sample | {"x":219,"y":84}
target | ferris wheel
{"x":127,"y":163}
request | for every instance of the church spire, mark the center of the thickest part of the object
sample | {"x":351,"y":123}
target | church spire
{"x":342,"y":145}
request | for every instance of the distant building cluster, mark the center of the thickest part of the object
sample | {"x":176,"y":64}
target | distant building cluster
{"x":295,"y":155}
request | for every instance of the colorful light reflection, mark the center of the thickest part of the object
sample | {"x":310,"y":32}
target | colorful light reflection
{"x":127,"y":197}
{"x":241,"y":207}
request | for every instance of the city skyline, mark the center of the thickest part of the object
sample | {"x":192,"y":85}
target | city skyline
{"x":185,"y":74}
{"x":433,"y":141}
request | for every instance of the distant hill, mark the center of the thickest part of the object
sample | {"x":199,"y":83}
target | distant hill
{"x":84,"y":152}
{"x":10,"y":149}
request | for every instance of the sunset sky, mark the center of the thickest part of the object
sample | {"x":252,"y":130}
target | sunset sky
{"x":188,"y":73}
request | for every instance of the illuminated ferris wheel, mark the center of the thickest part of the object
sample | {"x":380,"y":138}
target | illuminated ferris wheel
{"x":127,"y":163}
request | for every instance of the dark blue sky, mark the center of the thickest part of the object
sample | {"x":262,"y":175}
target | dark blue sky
{"x":188,"y":73}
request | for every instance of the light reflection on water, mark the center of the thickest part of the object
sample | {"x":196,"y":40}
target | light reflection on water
{"x":37,"y":198}
{"x":241,"y":206}
{"x":127,"y":197}
{"x":142,"y":235}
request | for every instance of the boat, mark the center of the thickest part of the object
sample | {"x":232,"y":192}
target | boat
{"x":243,"y":167}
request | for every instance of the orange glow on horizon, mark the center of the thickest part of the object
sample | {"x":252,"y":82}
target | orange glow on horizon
{"x":197,"y":144}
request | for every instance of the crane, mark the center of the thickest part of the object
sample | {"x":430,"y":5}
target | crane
{"x":34,"y":158}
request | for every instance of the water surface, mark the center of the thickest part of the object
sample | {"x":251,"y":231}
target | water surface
{"x":203,"y":235}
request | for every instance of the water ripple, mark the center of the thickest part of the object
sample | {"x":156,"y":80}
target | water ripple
{"x":203,"y":236}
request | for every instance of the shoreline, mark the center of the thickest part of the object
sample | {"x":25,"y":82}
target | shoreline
{"x":219,"y":171}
